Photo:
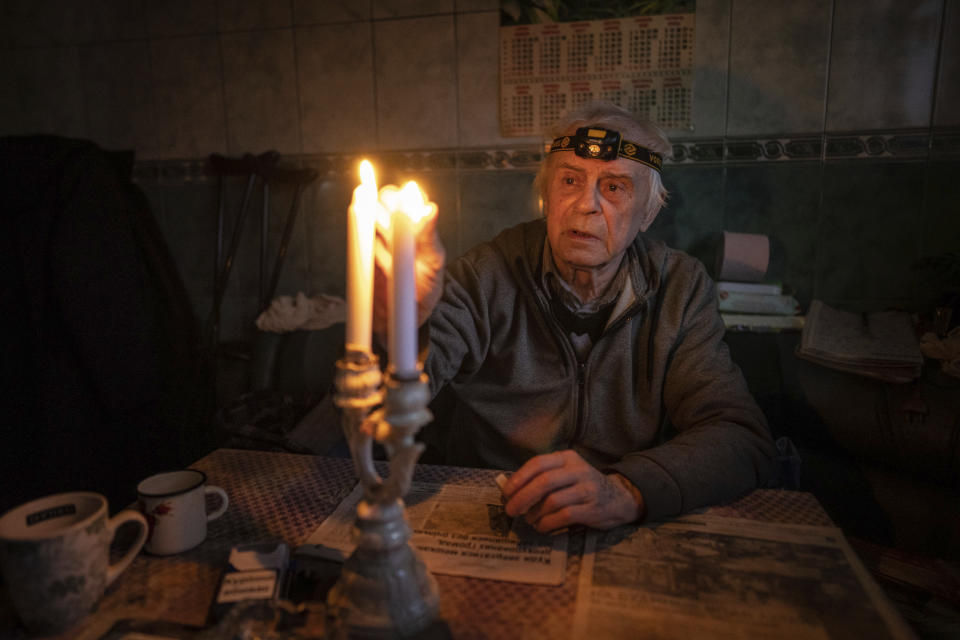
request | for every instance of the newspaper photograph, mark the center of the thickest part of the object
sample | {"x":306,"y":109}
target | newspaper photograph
{"x":459,"y":530}
{"x":713,"y":577}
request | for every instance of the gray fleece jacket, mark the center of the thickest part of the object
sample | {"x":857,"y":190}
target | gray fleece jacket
{"x":520,"y":391}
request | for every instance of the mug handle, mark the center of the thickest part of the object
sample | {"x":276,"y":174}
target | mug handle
{"x":127,"y":515}
{"x":224,"y":501}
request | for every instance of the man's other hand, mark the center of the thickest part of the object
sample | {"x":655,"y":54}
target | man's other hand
{"x":556,"y":490}
{"x":431,"y":257}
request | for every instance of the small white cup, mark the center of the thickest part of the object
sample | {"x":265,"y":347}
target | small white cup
{"x":174,"y":504}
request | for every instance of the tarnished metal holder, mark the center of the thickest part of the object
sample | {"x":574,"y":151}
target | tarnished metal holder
{"x":384,"y":589}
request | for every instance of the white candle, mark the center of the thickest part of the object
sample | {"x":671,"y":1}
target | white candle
{"x":403,"y":308}
{"x":360,"y":230}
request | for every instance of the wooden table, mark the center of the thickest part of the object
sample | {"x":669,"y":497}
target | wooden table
{"x":286,"y":496}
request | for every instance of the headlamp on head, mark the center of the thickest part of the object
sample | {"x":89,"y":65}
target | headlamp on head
{"x":598,"y":143}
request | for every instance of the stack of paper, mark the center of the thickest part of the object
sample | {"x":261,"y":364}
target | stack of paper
{"x":757,"y":306}
{"x":881,"y":345}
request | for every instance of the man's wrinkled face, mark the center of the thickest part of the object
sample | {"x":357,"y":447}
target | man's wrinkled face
{"x":594,"y":209}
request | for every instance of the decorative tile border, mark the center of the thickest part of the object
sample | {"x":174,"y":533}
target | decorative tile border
{"x":898,"y":145}
{"x":904,"y":145}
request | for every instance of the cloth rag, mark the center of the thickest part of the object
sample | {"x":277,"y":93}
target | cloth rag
{"x":287,"y":313}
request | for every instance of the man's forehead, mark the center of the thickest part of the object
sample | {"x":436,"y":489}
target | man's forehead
{"x":617,"y":168}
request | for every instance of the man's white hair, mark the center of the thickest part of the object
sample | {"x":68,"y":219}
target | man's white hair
{"x":610,"y":116}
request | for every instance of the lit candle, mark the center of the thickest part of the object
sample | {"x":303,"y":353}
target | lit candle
{"x":407,"y":212}
{"x":360,"y":231}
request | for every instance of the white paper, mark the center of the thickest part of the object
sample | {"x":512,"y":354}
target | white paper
{"x":458,"y":530}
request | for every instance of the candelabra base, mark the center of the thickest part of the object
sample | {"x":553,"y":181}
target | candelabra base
{"x":384,"y":590}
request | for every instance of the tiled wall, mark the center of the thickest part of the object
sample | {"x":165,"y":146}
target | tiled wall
{"x":831,"y":125}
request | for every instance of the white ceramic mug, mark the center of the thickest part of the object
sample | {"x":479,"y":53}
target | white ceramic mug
{"x":55,"y":556}
{"x":175,"y":505}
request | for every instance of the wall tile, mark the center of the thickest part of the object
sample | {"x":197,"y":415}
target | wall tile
{"x":491,"y":201}
{"x":781,"y":202}
{"x":107,"y":20}
{"x":404,"y":8}
{"x":882,"y":64}
{"x":325,"y":218}
{"x":294,"y":273}
{"x":941,"y":209}
{"x":118,"y":96}
{"x":478,"y":81}
{"x":187,"y":219}
{"x":947,"y":106}
{"x":941,"y":227}
{"x":328,"y":11}
{"x":244,"y":280}
{"x":711,"y":53}
{"x":335,"y":73}
{"x":416,"y":83}
{"x":188,"y":92}
{"x":870,"y":233}
{"x":261,"y":92}
{"x":153,"y":192}
{"x":693,"y":218}
{"x":242,"y":294}
{"x":59,"y":22}
{"x":44,"y":23}
{"x":778,"y":66}
{"x":238,"y":316}
{"x":477,"y":5}
{"x":44,"y":92}
{"x":181,"y":17}
{"x":243,"y":15}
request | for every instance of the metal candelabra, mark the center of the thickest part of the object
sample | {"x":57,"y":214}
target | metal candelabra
{"x":384,"y":590}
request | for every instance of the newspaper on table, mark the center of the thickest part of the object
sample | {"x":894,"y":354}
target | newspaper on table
{"x":881,"y":345}
{"x":705,"y":576}
{"x":459,"y":530}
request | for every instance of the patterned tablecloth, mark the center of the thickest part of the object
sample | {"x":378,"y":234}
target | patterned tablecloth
{"x":286,"y":496}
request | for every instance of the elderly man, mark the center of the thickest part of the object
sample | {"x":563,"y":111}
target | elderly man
{"x":572,"y":344}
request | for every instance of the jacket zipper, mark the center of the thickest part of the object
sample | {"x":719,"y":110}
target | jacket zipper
{"x":581,"y":367}
{"x":580,"y":425}
{"x":581,"y":402}
{"x":581,"y":386}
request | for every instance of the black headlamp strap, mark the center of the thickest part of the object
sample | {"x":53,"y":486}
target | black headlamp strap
{"x":642,"y":155}
{"x":601,"y":148}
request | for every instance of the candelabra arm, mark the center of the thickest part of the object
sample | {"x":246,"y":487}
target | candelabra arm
{"x":358,"y":381}
{"x":359,"y":437}
{"x":400,"y":478}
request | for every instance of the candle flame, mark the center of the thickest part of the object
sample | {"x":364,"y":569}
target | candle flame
{"x":365,"y":197}
{"x":410,"y":201}
{"x":367,"y":176}
{"x":388,"y":204}
{"x":413,"y":203}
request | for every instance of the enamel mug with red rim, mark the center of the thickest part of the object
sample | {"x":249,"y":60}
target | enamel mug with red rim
{"x":175,"y":506}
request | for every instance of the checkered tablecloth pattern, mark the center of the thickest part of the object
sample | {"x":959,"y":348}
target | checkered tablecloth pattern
{"x":287,"y":496}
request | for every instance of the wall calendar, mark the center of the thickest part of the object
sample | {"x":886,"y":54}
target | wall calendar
{"x":642,"y":63}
